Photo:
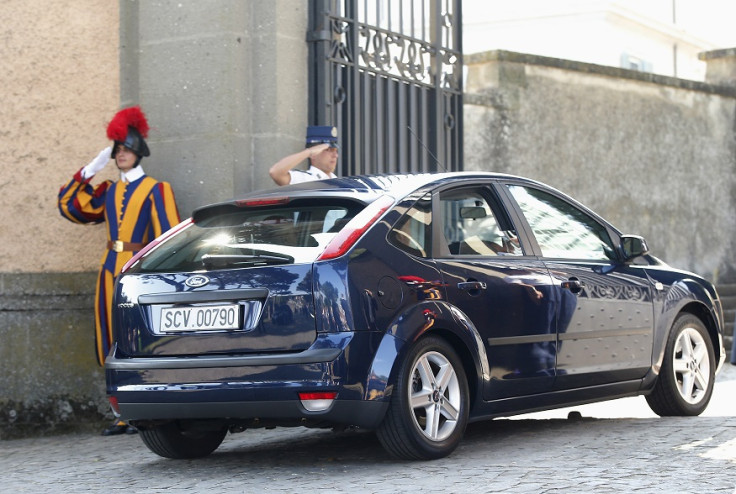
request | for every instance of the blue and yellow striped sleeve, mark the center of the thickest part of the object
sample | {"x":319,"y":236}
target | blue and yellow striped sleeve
{"x":80,"y":202}
{"x":164,"y":213}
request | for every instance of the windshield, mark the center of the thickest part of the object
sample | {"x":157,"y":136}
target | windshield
{"x":248,"y":237}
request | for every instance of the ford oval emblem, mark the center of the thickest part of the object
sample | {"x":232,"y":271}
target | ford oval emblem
{"x":197,"y":280}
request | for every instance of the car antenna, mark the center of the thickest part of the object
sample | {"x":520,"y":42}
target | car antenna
{"x":439,"y":165}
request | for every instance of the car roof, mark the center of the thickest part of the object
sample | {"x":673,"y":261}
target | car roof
{"x":394,"y":184}
{"x":364,"y":188}
{"x":397,"y":185}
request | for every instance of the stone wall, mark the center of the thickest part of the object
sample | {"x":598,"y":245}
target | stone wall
{"x":653,"y":154}
{"x":50,"y":379}
{"x":224,"y":85}
{"x":60,"y":88}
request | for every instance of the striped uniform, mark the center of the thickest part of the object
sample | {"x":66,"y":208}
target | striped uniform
{"x":135,"y":213}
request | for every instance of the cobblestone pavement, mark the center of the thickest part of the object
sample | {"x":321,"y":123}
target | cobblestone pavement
{"x":614,"y":447}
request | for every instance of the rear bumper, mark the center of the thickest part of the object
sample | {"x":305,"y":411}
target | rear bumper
{"x":252,"y":389}
{"x":365,"y":414}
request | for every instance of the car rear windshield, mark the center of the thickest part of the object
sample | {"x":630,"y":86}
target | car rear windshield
{"x":252,"y":236}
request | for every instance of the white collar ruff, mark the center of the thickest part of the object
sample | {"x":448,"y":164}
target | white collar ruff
{"x":132,"y":175}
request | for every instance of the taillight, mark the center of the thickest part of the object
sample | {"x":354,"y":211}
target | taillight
{"x":150,"y":246}
{"x":317,"y":402}
{"x":355,"y":228}
{"x":114,"y":405}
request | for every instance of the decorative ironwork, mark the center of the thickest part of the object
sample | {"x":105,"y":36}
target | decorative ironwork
{"x":397,"y":55}
{"x":339,"y":51}
{"x":388,"y":74}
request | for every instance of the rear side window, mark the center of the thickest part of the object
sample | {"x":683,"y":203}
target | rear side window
{"x":254,"y":236}
{"x":412,"y":233}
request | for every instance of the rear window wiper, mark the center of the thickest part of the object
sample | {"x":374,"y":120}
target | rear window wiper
{"x":255,"y":259}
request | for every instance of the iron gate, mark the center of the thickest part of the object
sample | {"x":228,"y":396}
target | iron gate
{"x":388,"y":75}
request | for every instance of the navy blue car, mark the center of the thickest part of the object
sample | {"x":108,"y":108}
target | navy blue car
{"x":409,"y":305}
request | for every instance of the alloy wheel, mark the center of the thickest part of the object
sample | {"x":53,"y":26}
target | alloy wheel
{"x":434,"y":396}
{"x":691,"y":365}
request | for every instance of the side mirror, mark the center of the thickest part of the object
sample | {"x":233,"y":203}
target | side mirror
{"x":633,"y":246}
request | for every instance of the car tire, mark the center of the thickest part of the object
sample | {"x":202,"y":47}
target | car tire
{"x":171,"y":441}
{"x":429,"y":405}
{"x":685,"y":382}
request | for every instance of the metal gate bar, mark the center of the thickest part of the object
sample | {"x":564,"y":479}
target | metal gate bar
{"x":388,"y":74}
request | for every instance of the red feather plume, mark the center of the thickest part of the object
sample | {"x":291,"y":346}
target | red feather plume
{"x":117,"y":129}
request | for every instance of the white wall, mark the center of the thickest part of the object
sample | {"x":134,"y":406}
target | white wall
{"x":666,"y":34}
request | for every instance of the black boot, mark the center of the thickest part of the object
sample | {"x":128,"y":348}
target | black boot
{"x":116,"y":428}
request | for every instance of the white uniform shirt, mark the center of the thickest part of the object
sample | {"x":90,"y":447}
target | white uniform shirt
{"x":300,"y":176}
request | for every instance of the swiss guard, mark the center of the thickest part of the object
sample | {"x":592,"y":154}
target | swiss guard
{"x":136,"y":209}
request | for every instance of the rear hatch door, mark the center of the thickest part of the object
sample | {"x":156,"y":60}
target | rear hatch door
{"x":238,"y":279}
{"x":256,"y":310}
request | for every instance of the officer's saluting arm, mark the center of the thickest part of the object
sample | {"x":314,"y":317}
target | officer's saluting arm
{"x":280,"y":170}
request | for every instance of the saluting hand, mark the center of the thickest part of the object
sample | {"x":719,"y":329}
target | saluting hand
{"x":98,"y":163}
{"x":315,"y":150}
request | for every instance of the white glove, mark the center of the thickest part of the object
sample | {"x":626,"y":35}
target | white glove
{"x":98,"y":163}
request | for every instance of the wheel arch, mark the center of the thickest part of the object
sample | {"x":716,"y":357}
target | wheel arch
{"x":677,"y":391}
{"x":706,"y":306}
{"x":700,"y":311}
{"x":466,"y":357}
{"x":687,"y":296}
{"x":429,"y":318}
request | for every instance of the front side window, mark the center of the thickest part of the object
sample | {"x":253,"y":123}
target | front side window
{"x":472,"y":228}
{"x":257,"y":236}
{"x":562,"y":230}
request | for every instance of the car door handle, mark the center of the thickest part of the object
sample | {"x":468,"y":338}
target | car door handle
{"x":573,"y":284}
{"x":471,"y":285}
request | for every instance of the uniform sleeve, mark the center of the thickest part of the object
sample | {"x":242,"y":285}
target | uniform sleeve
{"x":164,"y":214}
{"x":80,"y":202}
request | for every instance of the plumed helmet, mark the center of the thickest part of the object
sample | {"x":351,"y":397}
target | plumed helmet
{"x":129,"y":127}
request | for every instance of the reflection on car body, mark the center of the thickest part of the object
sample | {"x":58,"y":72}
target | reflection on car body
{"x":405,"y":304}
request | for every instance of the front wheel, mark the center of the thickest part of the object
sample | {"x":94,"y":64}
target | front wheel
{"x":171,"y":440}
{"x":685,"y":382}
{"x":429,"y":405}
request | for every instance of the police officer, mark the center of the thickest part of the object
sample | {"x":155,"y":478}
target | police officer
{"x":321,"y":150}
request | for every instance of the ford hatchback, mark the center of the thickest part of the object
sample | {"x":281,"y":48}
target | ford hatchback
{"x":409,"y":305}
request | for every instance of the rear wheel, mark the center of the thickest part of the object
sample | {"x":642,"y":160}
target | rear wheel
{"x":429,"y":405}
{"x":685,"y":382}
{"x":170,"y":440}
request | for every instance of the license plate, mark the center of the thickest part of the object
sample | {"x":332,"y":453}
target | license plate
{"x":206,"y":318}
